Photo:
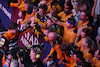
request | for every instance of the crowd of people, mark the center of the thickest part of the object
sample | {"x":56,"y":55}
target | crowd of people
{"x":68,"y":27}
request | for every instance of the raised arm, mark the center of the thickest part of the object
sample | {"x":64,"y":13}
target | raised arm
{"x":54,"y":19}
{"x":78,"y":35}
{"x":74,"y":6}
{"x":93,"y":9}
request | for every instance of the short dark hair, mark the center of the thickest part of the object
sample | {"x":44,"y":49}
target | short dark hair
{"x":30,"y":9}
{"x":79,"y":55}
{"x":50,"y":29}
{"x":12,"y":25}
{"x":72,"y":20}
{"x":44,"y":7}
{"x":87,"y":31}
{"x":64,"y":47}
{"x":87,"y":12}
{"x":69,"y":4}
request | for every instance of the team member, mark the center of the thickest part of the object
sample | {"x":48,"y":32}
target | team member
{"x":87,"y":49}
{"x":96,"y":58}
{"x":34,"y":56}
{"x":78,"y":56}
{"x":67,"y":12}
{"x":10,"y":38}
{"x":55,"y":42}
{"x":67,"y":52}
{"x":84,"y":20}
{"x":84,"y":33}
{"x":69,"y":30}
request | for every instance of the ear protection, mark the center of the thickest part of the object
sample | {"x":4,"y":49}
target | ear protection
{"x":37,"y":56}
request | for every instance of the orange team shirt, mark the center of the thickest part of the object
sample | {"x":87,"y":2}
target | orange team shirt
{"x":63,"y":16}
{"x":39,"y":22}
{"x":69,"y":35}
{"x":79,"y":44}
{"x":84,"y":25}
{"x":74,"y":64}
{"x":86,"y":54}
{"x":70,"y":60}
{"x":56,"y":7}
{"x":56,"y":48}
{"x":9,"y":35}
{"x":95,"y":62}
{"x":15,"y":4}
{"x":27,"y":17}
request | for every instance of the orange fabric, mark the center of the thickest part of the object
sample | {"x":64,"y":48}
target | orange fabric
{"x":86,"y":54}
{"x":25,"y":31}
{"x":3,"y":60}
{"x":68,"y":35}
{"x":22,"y":6}
{"x":63,"y":16}
{"x":13,"y":4}
{"x":71,"y":60}
{"x":9,"y":35}
{"x":74,"y":64}
{"x":56,"y":7}
{"x":39,"y":22}
{"x":60,"y":14}
{"x":95,"y":62}
{"x":79,"y":44}
{"x":26,"y":18}
{"x":55,"y":48}
{"x":84,"y":25}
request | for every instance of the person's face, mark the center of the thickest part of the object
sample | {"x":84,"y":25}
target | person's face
{"x":34,"y":9}
{"x":83,"y":16}
{"x":75,"y":57}
{"x":13,"y":31}
{"x":32,"y":54}
{"x":66,"y":8}
{"x":84,"y":7}
{"x":49,"y":23}
{"x":10,"y":56}
{"x":68,"y":25}
{"x":84,"y":43}
{"x":96,"y":53}
{"x":41,"y":11}
{"x":53,"y":12}
{"x":83,"y":34}
{"x":26,"y":6}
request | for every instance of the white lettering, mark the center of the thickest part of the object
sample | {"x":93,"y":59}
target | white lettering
{"x":26,"y":40}
{"x":36,"y":42}
{"x":31,"y":39}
